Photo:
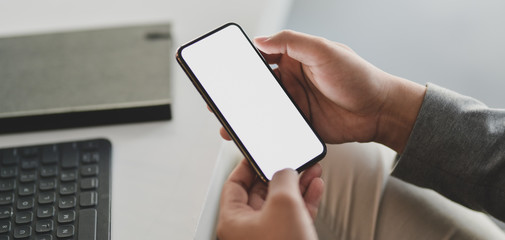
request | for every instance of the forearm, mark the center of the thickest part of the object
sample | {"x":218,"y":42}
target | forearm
{"x":457,"y":148}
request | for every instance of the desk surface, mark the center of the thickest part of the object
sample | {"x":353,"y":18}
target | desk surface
{"x":161,"y":170}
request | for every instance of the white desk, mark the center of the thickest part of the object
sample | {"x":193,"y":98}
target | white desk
{"x":161,"y":170}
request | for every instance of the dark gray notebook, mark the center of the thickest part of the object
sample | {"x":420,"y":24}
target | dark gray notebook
{"x":84,"y":78}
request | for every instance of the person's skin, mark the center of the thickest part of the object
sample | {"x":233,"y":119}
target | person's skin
{"x":285,"y":209}
{"x":346,"y":99}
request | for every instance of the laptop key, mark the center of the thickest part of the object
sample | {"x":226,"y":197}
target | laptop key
{"x":47,"y":184}
{"x":50,"y":154}
{"x":5,"y":212}
{"x":29,"y":163}
{"x":25,"y":203}
{"x":66,"y":231}
{"x":45,"y":211}
{"x":89,"y":170}
{"x":28,"y":176}
{"x":68,"y":175}
{"x":68,"y":188}
{"x":24,"y":217}
{"x":49,"y":171}
{"x":10,"y":157}
{"x":70,"y":156}
{"x":67,"y":202}
{"x":90,"y":157}
{"x":47,"y":197}
{"x":26,"y":189}
{"x":43,"y":226}
{"x":8,"y":172}
{"x":5,"y":226}
{"x":7,"y":184}
{"x":89,"y":183}
{"x":87,"y":224}
{"x":6,"y":198}
{"x":66,"y":216}
{"x":22,"y":232}
{"x":29,"y":151}
{"x":88,"y":199}
{"x":44,"y":237}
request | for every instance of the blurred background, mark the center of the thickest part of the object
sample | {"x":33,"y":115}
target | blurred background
{"x":457,"y":44}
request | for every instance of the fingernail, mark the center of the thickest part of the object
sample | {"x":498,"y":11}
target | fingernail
{"x":290,"y":170}
{"x":261,"y":38}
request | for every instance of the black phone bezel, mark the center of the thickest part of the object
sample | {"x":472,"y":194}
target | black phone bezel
{"x":222,"y":119}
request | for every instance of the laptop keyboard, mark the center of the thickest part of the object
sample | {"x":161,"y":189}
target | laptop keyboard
{"x":56,"y":191}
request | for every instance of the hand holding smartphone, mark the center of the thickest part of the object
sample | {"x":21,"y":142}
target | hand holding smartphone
{"x":251,"y":104}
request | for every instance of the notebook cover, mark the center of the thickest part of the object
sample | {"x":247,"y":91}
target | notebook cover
{"x":85,"y":78}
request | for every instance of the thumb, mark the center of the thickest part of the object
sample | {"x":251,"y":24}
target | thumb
{"x":284,"y":209}
{"x":284,"y":188}
{"x":302,"y":47}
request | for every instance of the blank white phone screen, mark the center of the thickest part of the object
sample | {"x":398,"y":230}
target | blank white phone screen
{"x":251,"y":100}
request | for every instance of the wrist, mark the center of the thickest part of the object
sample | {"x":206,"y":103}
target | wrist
{"x":398,"y":116}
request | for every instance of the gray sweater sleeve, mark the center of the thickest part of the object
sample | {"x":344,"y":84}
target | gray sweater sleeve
{"x":457,"y":148}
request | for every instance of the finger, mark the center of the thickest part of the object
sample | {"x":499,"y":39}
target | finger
{"x":236,"y":187}
{"x":284,"y":200}
{"x":308,"y":175}
{"x":272,"y":58}
{"x":344,"y":47}
{"x":283,"y":188}
{"x":222,"y":131}
{"x":257,"y":194}
{"x":243,"y":174}
{"x":313,"y":196}
{"x":224,"y":134}
{"x":277,"y":73}
{"x":302,"y":47}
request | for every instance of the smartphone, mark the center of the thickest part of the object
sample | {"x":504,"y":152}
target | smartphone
{"x":250,"y":102}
